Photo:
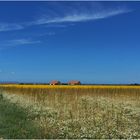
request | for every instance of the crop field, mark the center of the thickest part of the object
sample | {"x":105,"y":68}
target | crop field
{"x":65,"y":111}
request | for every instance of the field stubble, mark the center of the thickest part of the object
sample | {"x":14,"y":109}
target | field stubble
{"x":80,"y":111}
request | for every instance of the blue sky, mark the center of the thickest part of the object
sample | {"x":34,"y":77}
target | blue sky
{"x":94,"y":42}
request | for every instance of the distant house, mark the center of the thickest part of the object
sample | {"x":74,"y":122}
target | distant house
{"x":74,"y":82}
{"x":55,"y":82}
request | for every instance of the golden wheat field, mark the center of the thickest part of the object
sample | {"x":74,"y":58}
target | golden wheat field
{"x":79,"y":111}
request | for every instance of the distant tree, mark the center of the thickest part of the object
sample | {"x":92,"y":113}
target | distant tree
{"x":136,"y":84}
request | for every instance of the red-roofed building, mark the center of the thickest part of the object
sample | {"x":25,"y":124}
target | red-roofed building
{"x":55,"y":82}
{"x":74,"y":82}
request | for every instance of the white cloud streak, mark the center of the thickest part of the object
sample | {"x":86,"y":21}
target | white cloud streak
{"x":10,"y":27}
{"x":17,"y":42}
{"x":20,"y":42}
{"x":68,"y":18}
{"x":82,"y":17}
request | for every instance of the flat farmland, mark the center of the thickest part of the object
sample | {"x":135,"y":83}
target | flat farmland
{"x":79,"y":111}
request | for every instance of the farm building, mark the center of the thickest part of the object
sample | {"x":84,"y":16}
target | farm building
{"x":55,"y":82}
{"x":74,"y":82}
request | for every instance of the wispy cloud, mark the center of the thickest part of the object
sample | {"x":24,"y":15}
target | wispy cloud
{"x":58,"y":25}
{"x":48,"y":34}
{"x":17,"y":42}
{"x":12,"y":72}
{"x":82,"y":17}
{"x":21,"y":42}
{"x":75,"y":13}
{"x":10,"y":27}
